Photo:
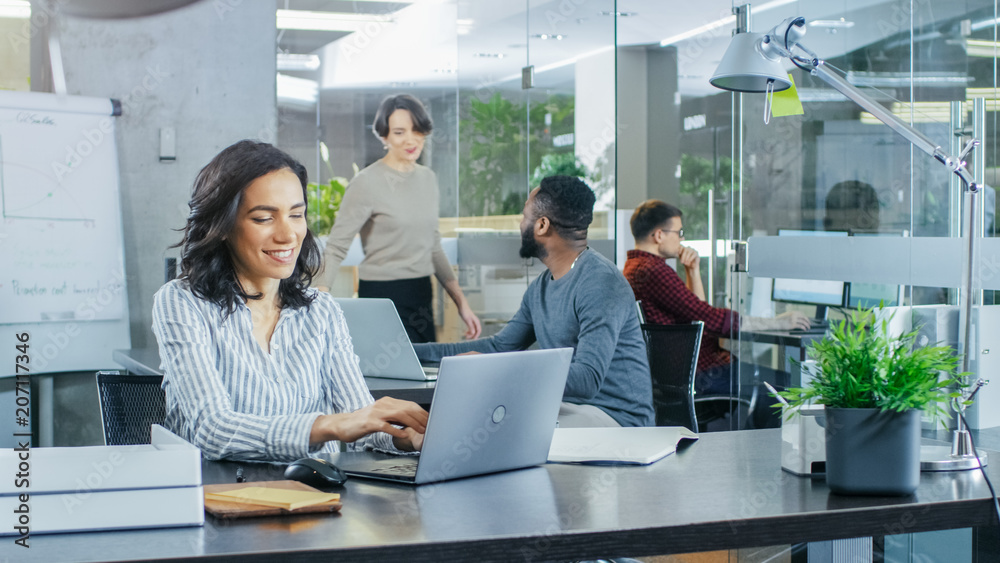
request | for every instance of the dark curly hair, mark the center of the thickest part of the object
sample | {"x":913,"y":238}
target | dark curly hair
{"x":422,"y":122}
{"x":568,"y":202}
{"x":206,"y":260}
{"x":651,"y":215}
{"x":852,"y":205}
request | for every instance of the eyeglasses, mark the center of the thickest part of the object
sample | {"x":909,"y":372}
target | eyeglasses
{"x":680,"y":233}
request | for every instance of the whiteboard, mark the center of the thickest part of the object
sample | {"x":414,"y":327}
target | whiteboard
{"x":61,"y":243}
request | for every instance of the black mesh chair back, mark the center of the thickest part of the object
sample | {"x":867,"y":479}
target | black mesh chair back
{"x":130,"y":404}
{"x":642,"y":318}
{"x":673,"y":359}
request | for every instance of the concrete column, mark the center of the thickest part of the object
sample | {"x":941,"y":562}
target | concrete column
{"x":207,"y":70}
{"x":633,"y":116}
{"x":663,"y":124}
{"x":649,"y":125}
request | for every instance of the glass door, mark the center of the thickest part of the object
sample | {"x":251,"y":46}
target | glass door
{"x":535,"y":98}
{"x":832,"y":169}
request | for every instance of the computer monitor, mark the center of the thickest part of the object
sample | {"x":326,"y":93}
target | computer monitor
{"x":821,"y":293}
{"x":863,"y":295}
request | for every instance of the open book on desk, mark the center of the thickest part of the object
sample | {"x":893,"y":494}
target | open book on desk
{"x":616,"y":446}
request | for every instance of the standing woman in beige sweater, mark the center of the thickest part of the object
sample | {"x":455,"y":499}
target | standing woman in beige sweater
{"x":393,"y":204}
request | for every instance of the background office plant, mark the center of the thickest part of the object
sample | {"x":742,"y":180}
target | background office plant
{"x":495,"y":133}
{"x":875,"y":385}
{"x":323,"y":200}
{"x":324,"y":203}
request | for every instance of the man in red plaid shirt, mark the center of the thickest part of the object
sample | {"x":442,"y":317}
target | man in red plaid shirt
{"x":666,"y":299}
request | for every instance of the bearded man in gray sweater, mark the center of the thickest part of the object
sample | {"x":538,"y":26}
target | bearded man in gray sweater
{"x":582,"y":301}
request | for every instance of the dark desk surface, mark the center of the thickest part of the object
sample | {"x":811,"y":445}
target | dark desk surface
{"x":146,"y":361}
{"x":724,"y":491}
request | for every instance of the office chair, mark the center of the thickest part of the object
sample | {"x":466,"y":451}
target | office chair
{"x":130,"y":404}
{"x":727,"y":408}
{"x":642,"y":319}
{"x":673,"y":360}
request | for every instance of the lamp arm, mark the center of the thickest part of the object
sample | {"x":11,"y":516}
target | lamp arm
{"x":919,"y":140}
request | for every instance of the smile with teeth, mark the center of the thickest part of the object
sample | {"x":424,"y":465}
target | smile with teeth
{"x":279,"y":253}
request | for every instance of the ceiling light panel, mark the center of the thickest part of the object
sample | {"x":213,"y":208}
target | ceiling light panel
{"x":297,"y":62}
{"x":19,"y":9}
{"x":330,"y":21}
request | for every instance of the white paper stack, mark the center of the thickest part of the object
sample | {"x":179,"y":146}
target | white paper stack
{"x":105,"y":487}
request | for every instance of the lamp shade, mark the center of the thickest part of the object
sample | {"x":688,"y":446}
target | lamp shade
{"x":118,"y":9}
{"x":744,"y":68}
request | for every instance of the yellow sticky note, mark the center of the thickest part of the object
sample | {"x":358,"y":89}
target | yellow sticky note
{"x":786,"y":102}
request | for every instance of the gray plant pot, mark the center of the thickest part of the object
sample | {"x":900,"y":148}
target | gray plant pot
{"x":869,"y":452}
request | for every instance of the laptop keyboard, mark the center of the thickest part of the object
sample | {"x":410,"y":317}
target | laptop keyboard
{"x":816,"y":326}
{"x":403,"y":467}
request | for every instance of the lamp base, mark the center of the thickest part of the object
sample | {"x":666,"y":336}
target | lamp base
{"x":940,"y":458}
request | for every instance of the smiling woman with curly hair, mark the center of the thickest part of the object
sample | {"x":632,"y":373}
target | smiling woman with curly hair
{"x":256,"y":364}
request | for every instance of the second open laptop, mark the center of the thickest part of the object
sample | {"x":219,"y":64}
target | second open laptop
{"x":380,"y":341}
{"x":490,"y":413}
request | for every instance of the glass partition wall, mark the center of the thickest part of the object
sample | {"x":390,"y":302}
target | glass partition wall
{"x":502,"y":83}
{"x":836,"y":169}
{"x":618,"y":93}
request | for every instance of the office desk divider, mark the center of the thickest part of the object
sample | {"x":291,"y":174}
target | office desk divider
{"x":74,"y":489}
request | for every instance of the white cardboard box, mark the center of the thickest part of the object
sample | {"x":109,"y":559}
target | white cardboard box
{"x":105,"y":487}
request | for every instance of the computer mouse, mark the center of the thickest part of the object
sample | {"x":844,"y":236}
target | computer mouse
{"x":315,"y":473}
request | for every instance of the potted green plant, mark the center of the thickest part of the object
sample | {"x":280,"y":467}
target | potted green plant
{"x":323,"y":200}
{"x":324,"y":203}
{"x":874,"y":386}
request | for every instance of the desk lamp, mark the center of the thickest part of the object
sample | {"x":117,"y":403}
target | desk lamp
{"x":753,"y":64}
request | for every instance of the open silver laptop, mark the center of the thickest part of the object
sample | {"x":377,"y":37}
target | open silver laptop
{"x":380,"y":341}
{"x":491,"y":412}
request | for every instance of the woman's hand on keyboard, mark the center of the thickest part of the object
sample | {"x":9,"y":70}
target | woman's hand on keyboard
{"x":401,"y":419}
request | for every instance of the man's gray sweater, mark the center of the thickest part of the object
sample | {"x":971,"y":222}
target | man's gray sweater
{"x":592,"y":310}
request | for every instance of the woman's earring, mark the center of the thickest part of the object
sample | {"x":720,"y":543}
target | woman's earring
{"x":385,"y":147}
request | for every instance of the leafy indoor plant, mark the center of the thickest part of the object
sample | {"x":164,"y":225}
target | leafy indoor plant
{"x":324,"y":203}
{"x":875,"y":386}
{"x":324,"y":199}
